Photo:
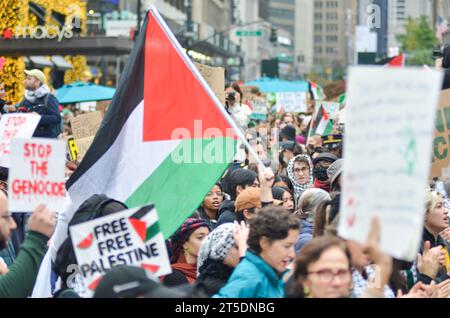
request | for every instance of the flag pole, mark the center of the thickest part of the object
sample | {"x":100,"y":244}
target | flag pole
{"x":200,"y":78}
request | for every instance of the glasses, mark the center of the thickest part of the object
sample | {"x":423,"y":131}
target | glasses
{"x":326,"y":275}
{"x":218,"y":194}
{"x":302,"y":170}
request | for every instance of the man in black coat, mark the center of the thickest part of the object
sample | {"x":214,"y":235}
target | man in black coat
{"x":39,"y":100}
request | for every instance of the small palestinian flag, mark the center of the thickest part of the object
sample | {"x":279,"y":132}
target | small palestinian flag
{"x":317,"y":91}
{"x":322,"y":125}
{"x":396,"y":61}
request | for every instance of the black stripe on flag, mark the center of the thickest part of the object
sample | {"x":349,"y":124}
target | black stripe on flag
{"x":129,"y":94}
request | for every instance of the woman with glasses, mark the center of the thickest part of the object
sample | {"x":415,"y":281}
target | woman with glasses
{"x":300,"y":172}
{"x":209,"y":209}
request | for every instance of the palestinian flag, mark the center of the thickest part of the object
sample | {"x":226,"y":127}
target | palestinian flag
{"x":396,"y":61}
{"x":322,"y":125}
{"x":165,"y":139}
{"x":317,"y":91}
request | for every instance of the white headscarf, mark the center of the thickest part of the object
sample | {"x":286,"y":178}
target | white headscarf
{"x":300,"y":188}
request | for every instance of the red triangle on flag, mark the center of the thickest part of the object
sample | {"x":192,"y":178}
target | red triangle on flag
{"x":398,"y":61}
{"x":94,"y":284}
{"x":150,"y":267}
{"x":174,"y":98}
{"x":140,"y":227}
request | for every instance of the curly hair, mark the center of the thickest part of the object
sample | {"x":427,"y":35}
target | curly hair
{"x":273,"y":223}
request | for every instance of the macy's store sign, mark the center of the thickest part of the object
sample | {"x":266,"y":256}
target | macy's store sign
{"x":39,"y":32}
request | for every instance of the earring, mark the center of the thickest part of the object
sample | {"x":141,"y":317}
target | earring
{"x":306,"y":291}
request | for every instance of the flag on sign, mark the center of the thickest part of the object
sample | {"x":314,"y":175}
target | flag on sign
{"x":322,"y":123}
{"x":396,"y":61}
{"x":165,"y":139}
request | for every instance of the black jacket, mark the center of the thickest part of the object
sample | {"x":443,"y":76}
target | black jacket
{"x":446,"y":66}
{"x":226,"y":213}
{"x":213,"y":276}
{"x":50,"y":124}
{"x":442,"y":274}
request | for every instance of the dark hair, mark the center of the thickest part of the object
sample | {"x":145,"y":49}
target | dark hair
{"x":236,"y":87}
{"x":240,"y":214}
{"x":304,"y":160}
{"x":397,"y":281}
{"x":273,"y":223}
{"x":311,"y":253}
{"x":4,"y":173}
{"x":240,"y":177}
{"x":322,"y":221}
{"x":277,"y":192}
{"x":286,"y":180}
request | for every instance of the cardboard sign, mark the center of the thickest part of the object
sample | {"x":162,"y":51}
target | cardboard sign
{"x":73,"y":149}
{"x":131,"y":237}
{"x":441,"y":143}
{"x":215,"y":77}
{"x":15,"y":126}
{"x":390,"y":116}
{"x":36,"y":174}
{"x":83,"y":145}
{"x":86,"y":125}
{"x":291,"y":102}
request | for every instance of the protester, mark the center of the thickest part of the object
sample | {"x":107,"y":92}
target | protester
{"x":18,"y":282}
{"x":271,"y":241}
{"x":300,"y":172}
{"x":233,"y":102}
{"x":431,"y":262}
{"x":288,"y":133}
{"x":326,"y":213}
{"x":315,"y":141}
{"x":209,"y":209}
{"x":185,"y":246}
{"x":321,"y":164}
{"x":284,"y":195}
{"x":247,"y":204}
{"x":287,"y":149}
{"x":39,"y":100}
{"x":307,"y":205}
{"x":134,"y":282}
{"x":334,"y":172}
{"x":283,"y":182}
{"x":97,"y":206}
{"x":220,"y":253}
{"x":238,"y":181}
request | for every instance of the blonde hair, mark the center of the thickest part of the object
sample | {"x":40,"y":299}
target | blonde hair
{"x":431,"y":198}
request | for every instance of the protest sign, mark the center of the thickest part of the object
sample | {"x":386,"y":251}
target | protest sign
{"x":73,"y":149}
{"x":86,"y":125}
{"x":15,"y":126}
{"x":390,"y":115}
{"x":331,"y":108}
{"x":291,"y":102}
{"x":260,"y":108}
{"x":83,"y":145}
{"x":87,"y":106}
{"x":215,"y":77}
{"x":441,"y":143}
{"x":131,"y":237}
{"x":36,"y":174}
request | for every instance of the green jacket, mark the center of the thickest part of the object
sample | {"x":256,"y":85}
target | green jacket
{"x":19,"y":281}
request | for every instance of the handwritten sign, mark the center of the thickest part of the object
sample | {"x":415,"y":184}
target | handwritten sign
{"x":390,"y":116}
{"x":37,"y":174}
{"x":15,"y":126}
{"x":215,"y":77}
{"x":441,"y":143}
{"x":86,"y":125}
{"x":260,"y":108}
{"x":291,"y":102}
{"x":83,"y":145}
{"x":131,"y":237}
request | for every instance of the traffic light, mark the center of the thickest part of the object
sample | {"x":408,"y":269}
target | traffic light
{"x":274,"y":35}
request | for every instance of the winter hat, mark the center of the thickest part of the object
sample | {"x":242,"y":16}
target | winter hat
{"x":326,"y":156}
{"x":216,"y":245}
{"x":250,"y":198}
{"x":335,"y":170}
{"x":288,"y":132}
{"x":182,"y":235}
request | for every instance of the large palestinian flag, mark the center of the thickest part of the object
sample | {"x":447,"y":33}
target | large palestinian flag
{"x":165,"y":139}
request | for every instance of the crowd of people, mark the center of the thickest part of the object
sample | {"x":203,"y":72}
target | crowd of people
{"x":261,"y":231}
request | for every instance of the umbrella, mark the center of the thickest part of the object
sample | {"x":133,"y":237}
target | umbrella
{"x":275,"y":85}
{"x":83,"y":92}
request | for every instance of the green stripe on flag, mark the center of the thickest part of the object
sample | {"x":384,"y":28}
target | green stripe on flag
{"x":152,"y":231}
{"x":177,"y":189}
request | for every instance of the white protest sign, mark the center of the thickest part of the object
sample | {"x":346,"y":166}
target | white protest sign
{"x":131,"y":237}
{"x":15,"y":126}
{"x":260,"y":108}
{"x":36,"y":174}
{"x":390,"y":116}
{"x":331,"y":108}
{"x":291,"y":102}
